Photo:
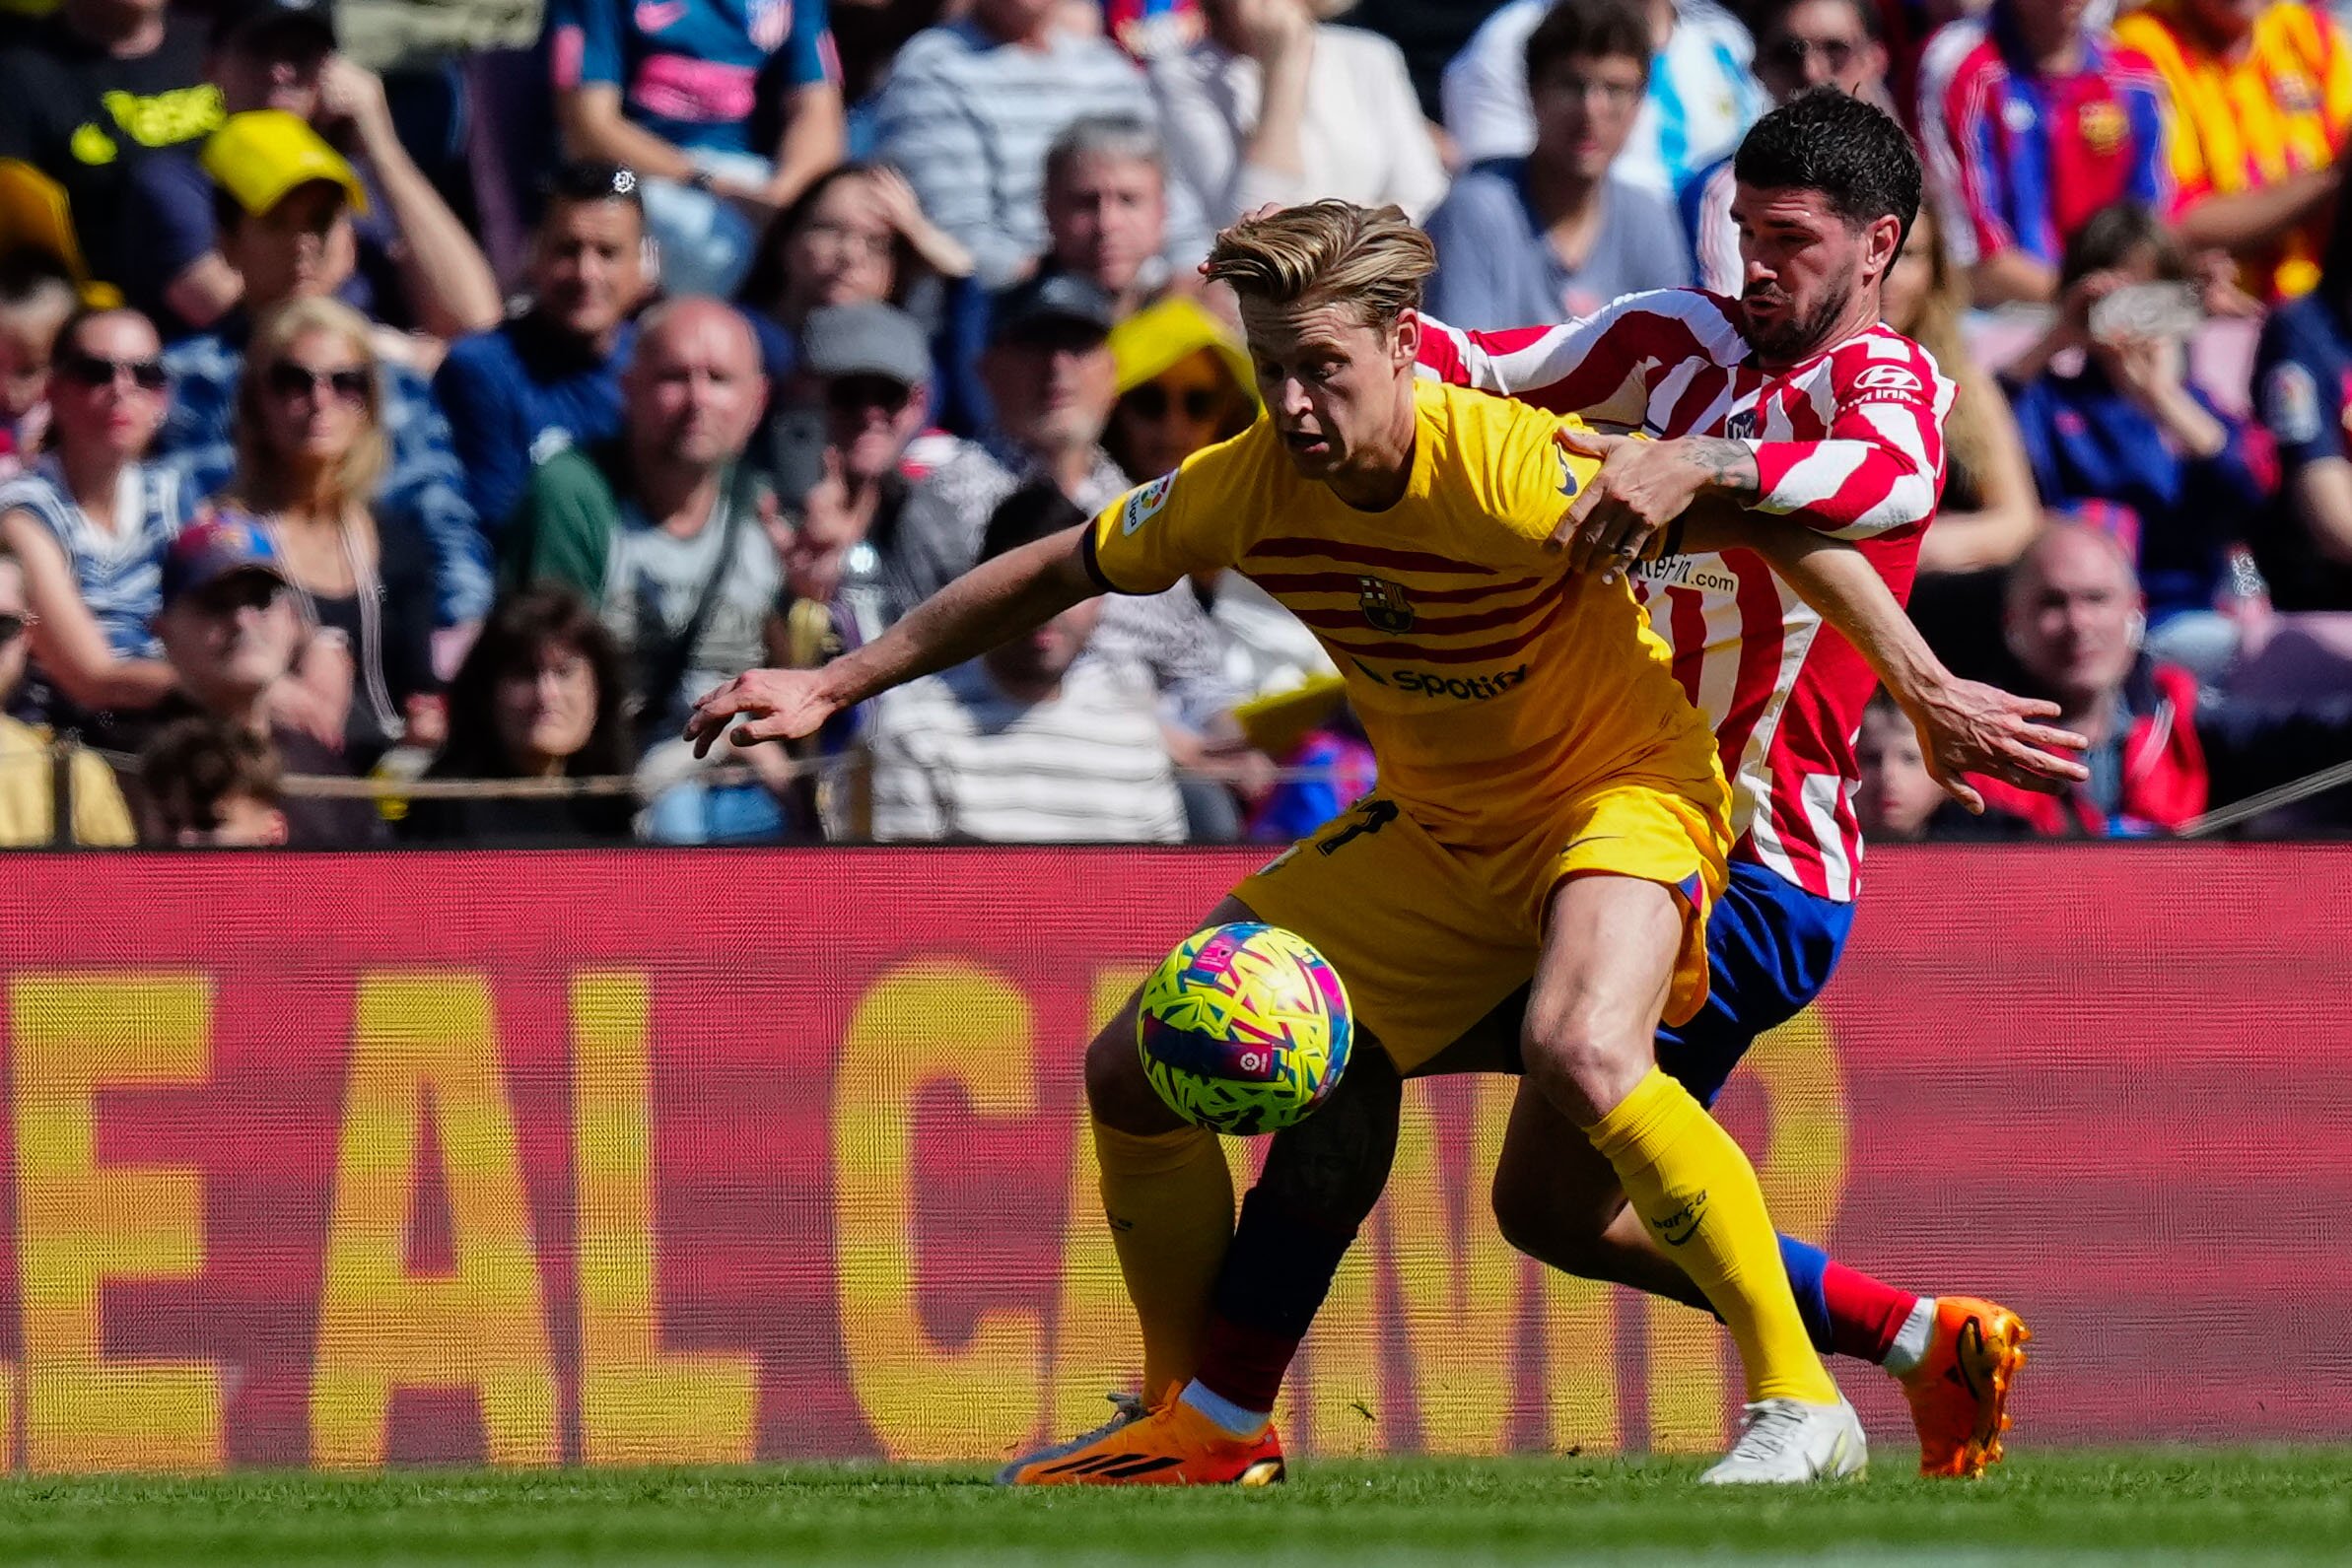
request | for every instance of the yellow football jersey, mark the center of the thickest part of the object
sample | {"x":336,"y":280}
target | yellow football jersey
{"x":1490,"y":680}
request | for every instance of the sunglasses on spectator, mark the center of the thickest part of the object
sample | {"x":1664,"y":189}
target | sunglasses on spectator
{"x":242,"y":590}
{"x":94,"y":370}
{"x":12,"y":626}
{"x":348,"y":384}
{"x":851,"y":395}
{"x":1790,"y":52}
{"x":1151,"y":400}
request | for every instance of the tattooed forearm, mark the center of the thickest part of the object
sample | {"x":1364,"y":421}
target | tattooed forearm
{"x":1730,"y":465}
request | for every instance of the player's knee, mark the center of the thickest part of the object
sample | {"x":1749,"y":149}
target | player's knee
{"x":1332,"y":1167}
{"x":1117,"y":1092}
{"x":1582,"y":1065}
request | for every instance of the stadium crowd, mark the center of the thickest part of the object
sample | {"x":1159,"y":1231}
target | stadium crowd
{"x":441,"y":393}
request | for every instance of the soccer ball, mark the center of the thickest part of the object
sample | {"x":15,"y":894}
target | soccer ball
{"x":1244,"y":1028}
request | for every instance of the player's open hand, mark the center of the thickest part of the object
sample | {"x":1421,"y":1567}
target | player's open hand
{"x":1626,"y":509}
{"x":779,"y":704}
{"x":1971,"y":728}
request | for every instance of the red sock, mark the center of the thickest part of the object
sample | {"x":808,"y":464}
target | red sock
{"x":1865,"y":1314}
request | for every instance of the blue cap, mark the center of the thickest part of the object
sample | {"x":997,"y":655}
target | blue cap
{"x":217,"y":547}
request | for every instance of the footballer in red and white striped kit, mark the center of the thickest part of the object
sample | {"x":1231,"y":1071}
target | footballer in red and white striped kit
{"x":1849,"y":440}
{"x":1793,"y":402}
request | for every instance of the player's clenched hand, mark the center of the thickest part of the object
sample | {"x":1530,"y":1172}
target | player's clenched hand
{"x":780,"y":705}
{"x":1968,"y":726}
{"x":1625,"y":508}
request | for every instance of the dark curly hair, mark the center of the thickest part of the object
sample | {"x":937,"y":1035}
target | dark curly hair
{"x":1851,"y":150}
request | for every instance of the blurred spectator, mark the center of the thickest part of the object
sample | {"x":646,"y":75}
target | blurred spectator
{"x":2303,"y":394}
{"x":210,"y":785}
{"x":35,"y":301}
{"x":2128,"y":442}
{"x":1106,"y":219}
{"x":284,"y":206}
{"x":2075,"y":623}
{"x":1183,"y":384}
{"x":1275,"y":106}
{"x":28,"y":786}
{"x":1049,"y":373}
{"x":1701,"y":99}
{"x":551,"y":376}
{"x":86,"y":95}
{"x":1028,"y":743}
{"x":1800,"y":44}
{"x":2261,"y":99}
{"x":229,"y":629}
{"x":2031,"y":124}
{"x":839,"y":460}
{"x":1990,"y":510}
{"x":1558,"y":233}
{"x":539,"y":696}
{"x":856,"y":235}
{"x":972,"y":106}
{"x":90,"y":521}
{"x":666,"y":530}
{"x":416,"y":264}
{"x":729,"y":111}
{"x":1329,"y":763}
{"x":310,"y":449}
{"x":1106,"y":209}
{"x":1897,"y":799}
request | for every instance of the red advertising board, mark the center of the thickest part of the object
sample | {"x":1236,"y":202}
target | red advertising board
{"x":689,"y":1156}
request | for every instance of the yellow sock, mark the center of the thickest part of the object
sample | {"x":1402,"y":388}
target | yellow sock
{"x":1170,"y":1202}
{"x":1693,"y":1187}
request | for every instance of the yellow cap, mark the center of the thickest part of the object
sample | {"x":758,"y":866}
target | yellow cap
{"x":1159,"y":335}
{"x":1277,"y":722}
{"x":261,"y":156}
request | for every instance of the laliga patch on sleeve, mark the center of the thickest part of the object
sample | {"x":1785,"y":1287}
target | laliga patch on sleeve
{"x":2291,"y":404}
{"x":1146,"y":503}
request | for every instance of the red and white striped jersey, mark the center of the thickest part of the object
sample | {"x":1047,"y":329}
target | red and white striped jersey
{"x":1850,"y":440}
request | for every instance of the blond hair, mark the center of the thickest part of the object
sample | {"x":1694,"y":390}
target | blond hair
{"x":1371,"y":258}
{"x":259,"y":470}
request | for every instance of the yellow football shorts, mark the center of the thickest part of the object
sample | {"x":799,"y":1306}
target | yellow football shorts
{"x":1429,"y":937}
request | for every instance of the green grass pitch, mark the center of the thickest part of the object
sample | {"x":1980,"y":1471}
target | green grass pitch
{"x":2125,"y":1506}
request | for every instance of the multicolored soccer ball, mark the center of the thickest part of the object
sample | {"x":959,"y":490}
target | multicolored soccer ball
{"x":1244,"y":1028}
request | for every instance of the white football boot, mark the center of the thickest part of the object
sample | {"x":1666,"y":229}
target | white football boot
{"x":1788,"y":1443}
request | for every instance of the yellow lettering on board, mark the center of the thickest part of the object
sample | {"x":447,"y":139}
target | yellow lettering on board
{"x":80,"y":1224}
{"x":425,"y":1045}
{"x":639,"y":1405}
{"x":922,"y":1023}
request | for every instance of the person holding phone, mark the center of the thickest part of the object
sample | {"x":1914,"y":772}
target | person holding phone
{"x":2117,"y":436}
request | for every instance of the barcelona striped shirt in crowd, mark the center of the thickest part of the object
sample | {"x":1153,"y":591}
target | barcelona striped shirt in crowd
{"x":2019,"y":159}
{"x":1850,"y":440}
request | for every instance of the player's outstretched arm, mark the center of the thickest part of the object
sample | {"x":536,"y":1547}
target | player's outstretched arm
{"x":998,"y":599}
{"x":1964,"y":726}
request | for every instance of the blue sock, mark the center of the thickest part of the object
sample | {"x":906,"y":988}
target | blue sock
{"x":1806,"y":1265}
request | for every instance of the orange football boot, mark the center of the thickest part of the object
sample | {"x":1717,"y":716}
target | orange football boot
{"x":1170,"y":1444}
{"x":1959,"y":1392}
